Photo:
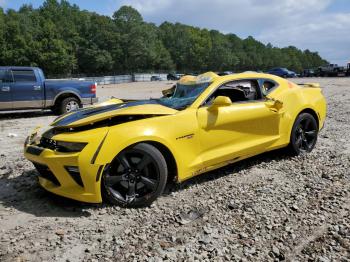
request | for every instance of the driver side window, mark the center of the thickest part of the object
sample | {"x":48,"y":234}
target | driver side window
{"x":5,"y":77}
{"x":238,"y":91}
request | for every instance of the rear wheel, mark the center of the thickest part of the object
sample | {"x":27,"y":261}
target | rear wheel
{"x":304,"y":134}
{"x":136,"y":177}
{"x":67,"y":105}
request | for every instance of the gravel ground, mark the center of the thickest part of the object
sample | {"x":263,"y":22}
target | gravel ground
{"x":268,"y":208}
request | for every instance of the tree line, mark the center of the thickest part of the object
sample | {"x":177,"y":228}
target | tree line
{"x":64,"y":40}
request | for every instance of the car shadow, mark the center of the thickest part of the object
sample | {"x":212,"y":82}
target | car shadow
{"x":24,"y":193}
{"x":24,"y":114}
{"x":274,"y":155}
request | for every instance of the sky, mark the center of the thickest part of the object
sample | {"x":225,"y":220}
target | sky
{"x":317,"y":25}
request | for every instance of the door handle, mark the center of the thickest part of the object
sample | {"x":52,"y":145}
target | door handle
{"x":37,"y":88}
{"x":5,"y":88}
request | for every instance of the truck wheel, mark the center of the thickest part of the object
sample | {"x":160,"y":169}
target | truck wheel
{"x":67,"y":105}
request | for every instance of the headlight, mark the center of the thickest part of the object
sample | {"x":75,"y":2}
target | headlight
{"x":69,"y":146}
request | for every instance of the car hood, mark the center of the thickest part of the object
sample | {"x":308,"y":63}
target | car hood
{"x":105,"y":111}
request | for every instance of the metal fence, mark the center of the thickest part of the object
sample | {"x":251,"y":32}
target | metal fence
{"x":109,"y":80}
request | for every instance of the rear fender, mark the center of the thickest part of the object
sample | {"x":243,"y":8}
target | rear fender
{"x":310,"y":98}
{"x":66,"y":93}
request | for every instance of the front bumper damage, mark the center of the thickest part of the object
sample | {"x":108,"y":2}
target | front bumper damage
{"x":70,"y":174}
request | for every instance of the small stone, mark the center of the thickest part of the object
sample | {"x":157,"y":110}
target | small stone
{"x":233,"y":206}
{"x":322,"y":259}
{"x":60,"y":232}
{"x":275,"y":250}
{"x":243,"y":235}
{"x":295,"y":207}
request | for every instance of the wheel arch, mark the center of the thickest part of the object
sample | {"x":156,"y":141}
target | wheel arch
{"x":62,"y":95}
{"x":311,"y":112}
{"x":165,"y":151}
{"x":169,"y":158}
{"x":303,"y":110}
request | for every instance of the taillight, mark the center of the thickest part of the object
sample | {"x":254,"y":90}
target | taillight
{"x":93,"y":88}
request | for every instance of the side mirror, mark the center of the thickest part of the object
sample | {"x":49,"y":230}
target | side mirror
{"x":221,"y":101}
{"x":274,"y":104}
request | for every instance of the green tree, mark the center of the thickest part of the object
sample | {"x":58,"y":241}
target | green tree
{"x":62,"y":39}
{"x":142,"y":48}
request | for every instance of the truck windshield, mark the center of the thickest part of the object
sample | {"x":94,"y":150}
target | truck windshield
{"x":183,"y":96}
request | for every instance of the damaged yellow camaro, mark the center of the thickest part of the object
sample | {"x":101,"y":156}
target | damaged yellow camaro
{"x":126,"y":152}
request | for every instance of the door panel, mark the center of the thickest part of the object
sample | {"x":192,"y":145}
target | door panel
{"x":27,"y":92}
{"x":237,"y":130}
{"x":5,"y":90}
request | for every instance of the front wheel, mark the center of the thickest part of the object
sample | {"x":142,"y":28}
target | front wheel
{"x":136,"y":177}
{"x":304,"y":134}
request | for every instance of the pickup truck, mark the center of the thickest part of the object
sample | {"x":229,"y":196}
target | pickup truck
{"x":26,"y":88}
{"x":331,"y":70}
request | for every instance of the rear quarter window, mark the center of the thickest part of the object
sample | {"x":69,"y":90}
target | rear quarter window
{"x":23,"y":76}
{"x":267,"y":86}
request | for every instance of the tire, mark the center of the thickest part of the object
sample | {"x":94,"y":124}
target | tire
{"x":67,"y":105}
{"x":304,"y":134}
{"x":136,"y":177}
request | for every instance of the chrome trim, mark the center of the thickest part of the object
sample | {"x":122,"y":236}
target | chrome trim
{"x":5,"y":89}
{"x":37,"y":88}
{"x":5,"y":105}
{"x":28,"y":104}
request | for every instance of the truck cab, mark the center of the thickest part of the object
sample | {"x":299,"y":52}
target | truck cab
{"x":21,"y":88}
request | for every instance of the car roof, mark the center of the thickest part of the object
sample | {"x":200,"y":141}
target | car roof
{"x":18,"y":67}
{"x":212,"y":77}
{"x":248,"y":75}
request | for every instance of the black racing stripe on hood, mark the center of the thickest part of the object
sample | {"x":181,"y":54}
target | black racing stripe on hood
{"x":84,"y":113}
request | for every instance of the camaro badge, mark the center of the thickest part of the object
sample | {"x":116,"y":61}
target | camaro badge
{"x":189,"y":136}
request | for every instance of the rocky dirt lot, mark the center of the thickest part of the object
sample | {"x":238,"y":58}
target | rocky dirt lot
{"x":268,"y":208}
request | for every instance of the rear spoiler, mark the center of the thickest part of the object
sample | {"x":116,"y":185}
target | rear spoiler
{"x":314,"y":85}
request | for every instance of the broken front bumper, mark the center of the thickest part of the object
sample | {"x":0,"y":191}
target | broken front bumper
{"x":70,"y":174}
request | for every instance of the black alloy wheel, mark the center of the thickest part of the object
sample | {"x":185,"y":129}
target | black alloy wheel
{"x":136,"y":177}
{"x":304,"y":134}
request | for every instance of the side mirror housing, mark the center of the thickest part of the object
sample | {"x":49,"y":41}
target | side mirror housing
{"x":221,"y":101}
{"x":274,"y":104}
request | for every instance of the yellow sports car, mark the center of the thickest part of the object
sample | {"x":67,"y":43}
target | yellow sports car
{"x":126,"y":152}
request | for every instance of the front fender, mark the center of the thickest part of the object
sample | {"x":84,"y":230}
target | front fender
{"x":181,"y":140}
{"x":109,"y":152}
